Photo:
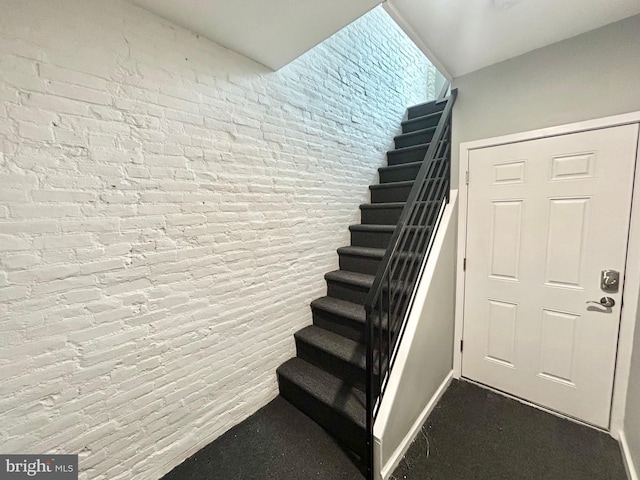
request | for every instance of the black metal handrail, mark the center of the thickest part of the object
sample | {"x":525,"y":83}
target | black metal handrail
{"x":391,"y":294}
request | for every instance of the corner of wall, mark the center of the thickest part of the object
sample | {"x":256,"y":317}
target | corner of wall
{"x":627,"y":457}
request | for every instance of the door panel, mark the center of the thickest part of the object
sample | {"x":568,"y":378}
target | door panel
{"x":505,"y":239}
{"x":502,"y":332}
{"x":544,"y":218}
{"x":565,"y":245}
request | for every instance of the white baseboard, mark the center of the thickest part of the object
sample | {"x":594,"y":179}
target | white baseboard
{"x":632,"y":473}
{"x":393,"y":462}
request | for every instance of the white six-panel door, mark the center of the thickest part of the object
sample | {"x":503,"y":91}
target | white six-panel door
{"x":545,"y":217}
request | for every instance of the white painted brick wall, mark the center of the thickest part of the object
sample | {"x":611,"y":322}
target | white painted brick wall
{"x":167,"y":211}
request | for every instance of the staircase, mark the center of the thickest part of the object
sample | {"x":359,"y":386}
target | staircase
{"x":328,"y":377}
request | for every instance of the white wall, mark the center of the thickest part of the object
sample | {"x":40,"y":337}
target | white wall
{"x":424,"y":362}
{"x":167,"y":211}
{"x":589,"y":76}
{"x":632,"y":416}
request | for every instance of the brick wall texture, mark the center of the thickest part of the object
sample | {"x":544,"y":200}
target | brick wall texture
{"x":167,"y":211}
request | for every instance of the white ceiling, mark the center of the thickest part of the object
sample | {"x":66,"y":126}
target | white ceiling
{"x":271,"y":32}
{"x":461,"y":36}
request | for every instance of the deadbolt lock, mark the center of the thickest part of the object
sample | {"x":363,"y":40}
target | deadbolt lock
{"x":610,"y":281}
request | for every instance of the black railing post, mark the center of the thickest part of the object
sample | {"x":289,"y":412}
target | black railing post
{"x":369,"y":401}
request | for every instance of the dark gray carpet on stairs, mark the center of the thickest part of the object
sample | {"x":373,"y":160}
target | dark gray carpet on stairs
{"x":277,"y":442}
{"x":474,"y":434}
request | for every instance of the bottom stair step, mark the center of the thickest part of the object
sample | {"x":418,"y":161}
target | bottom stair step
{"x":334,"y":405}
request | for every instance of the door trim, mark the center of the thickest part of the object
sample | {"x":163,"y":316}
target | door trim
{"x":631,"y":293}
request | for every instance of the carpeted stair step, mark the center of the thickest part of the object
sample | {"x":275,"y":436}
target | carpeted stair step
{"x":425,"y":109}
{"x":381,"y":213}
{"x":353,"y":287}
{"x":371,"y":235}
{"x":344,"y":318}
{"x":409,"y":171}
{"x":399,"y":191}
{"x":340,"y":316}
{"x":360,"y":259}
{"x":415,"y":153}
{"x":350,"y":286}
{"x":399,"y":173}
{"x":420,"y":123}
{"x":337,"y":407}
{"x":384,"y":213}
{"x":390,"y":192}
{"x":379,"y":236}
{"x":342,"y":357}
{"x":416,"y":137}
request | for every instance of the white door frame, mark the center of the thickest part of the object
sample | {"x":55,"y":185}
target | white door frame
{"x":631,"y":292}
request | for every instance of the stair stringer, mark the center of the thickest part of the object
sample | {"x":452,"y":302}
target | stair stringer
{"x":423,"y":364}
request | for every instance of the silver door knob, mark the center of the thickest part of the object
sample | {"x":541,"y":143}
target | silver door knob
{"x":604,"y":302}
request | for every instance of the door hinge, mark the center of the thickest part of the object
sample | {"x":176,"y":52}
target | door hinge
{"x":461,"y":345}
{"x":464,"y":265}
{"x":466,"y":177}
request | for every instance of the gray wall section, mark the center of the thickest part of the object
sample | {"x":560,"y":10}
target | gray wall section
{"x":425,"y":357}
{"x":593,"y":75}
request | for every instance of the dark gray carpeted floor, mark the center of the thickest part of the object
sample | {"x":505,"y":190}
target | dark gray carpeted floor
{"x":473,"y":434}
{"x":278,"y":442}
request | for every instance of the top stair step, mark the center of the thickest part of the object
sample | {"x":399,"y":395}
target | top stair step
{"x":425,"y":109}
